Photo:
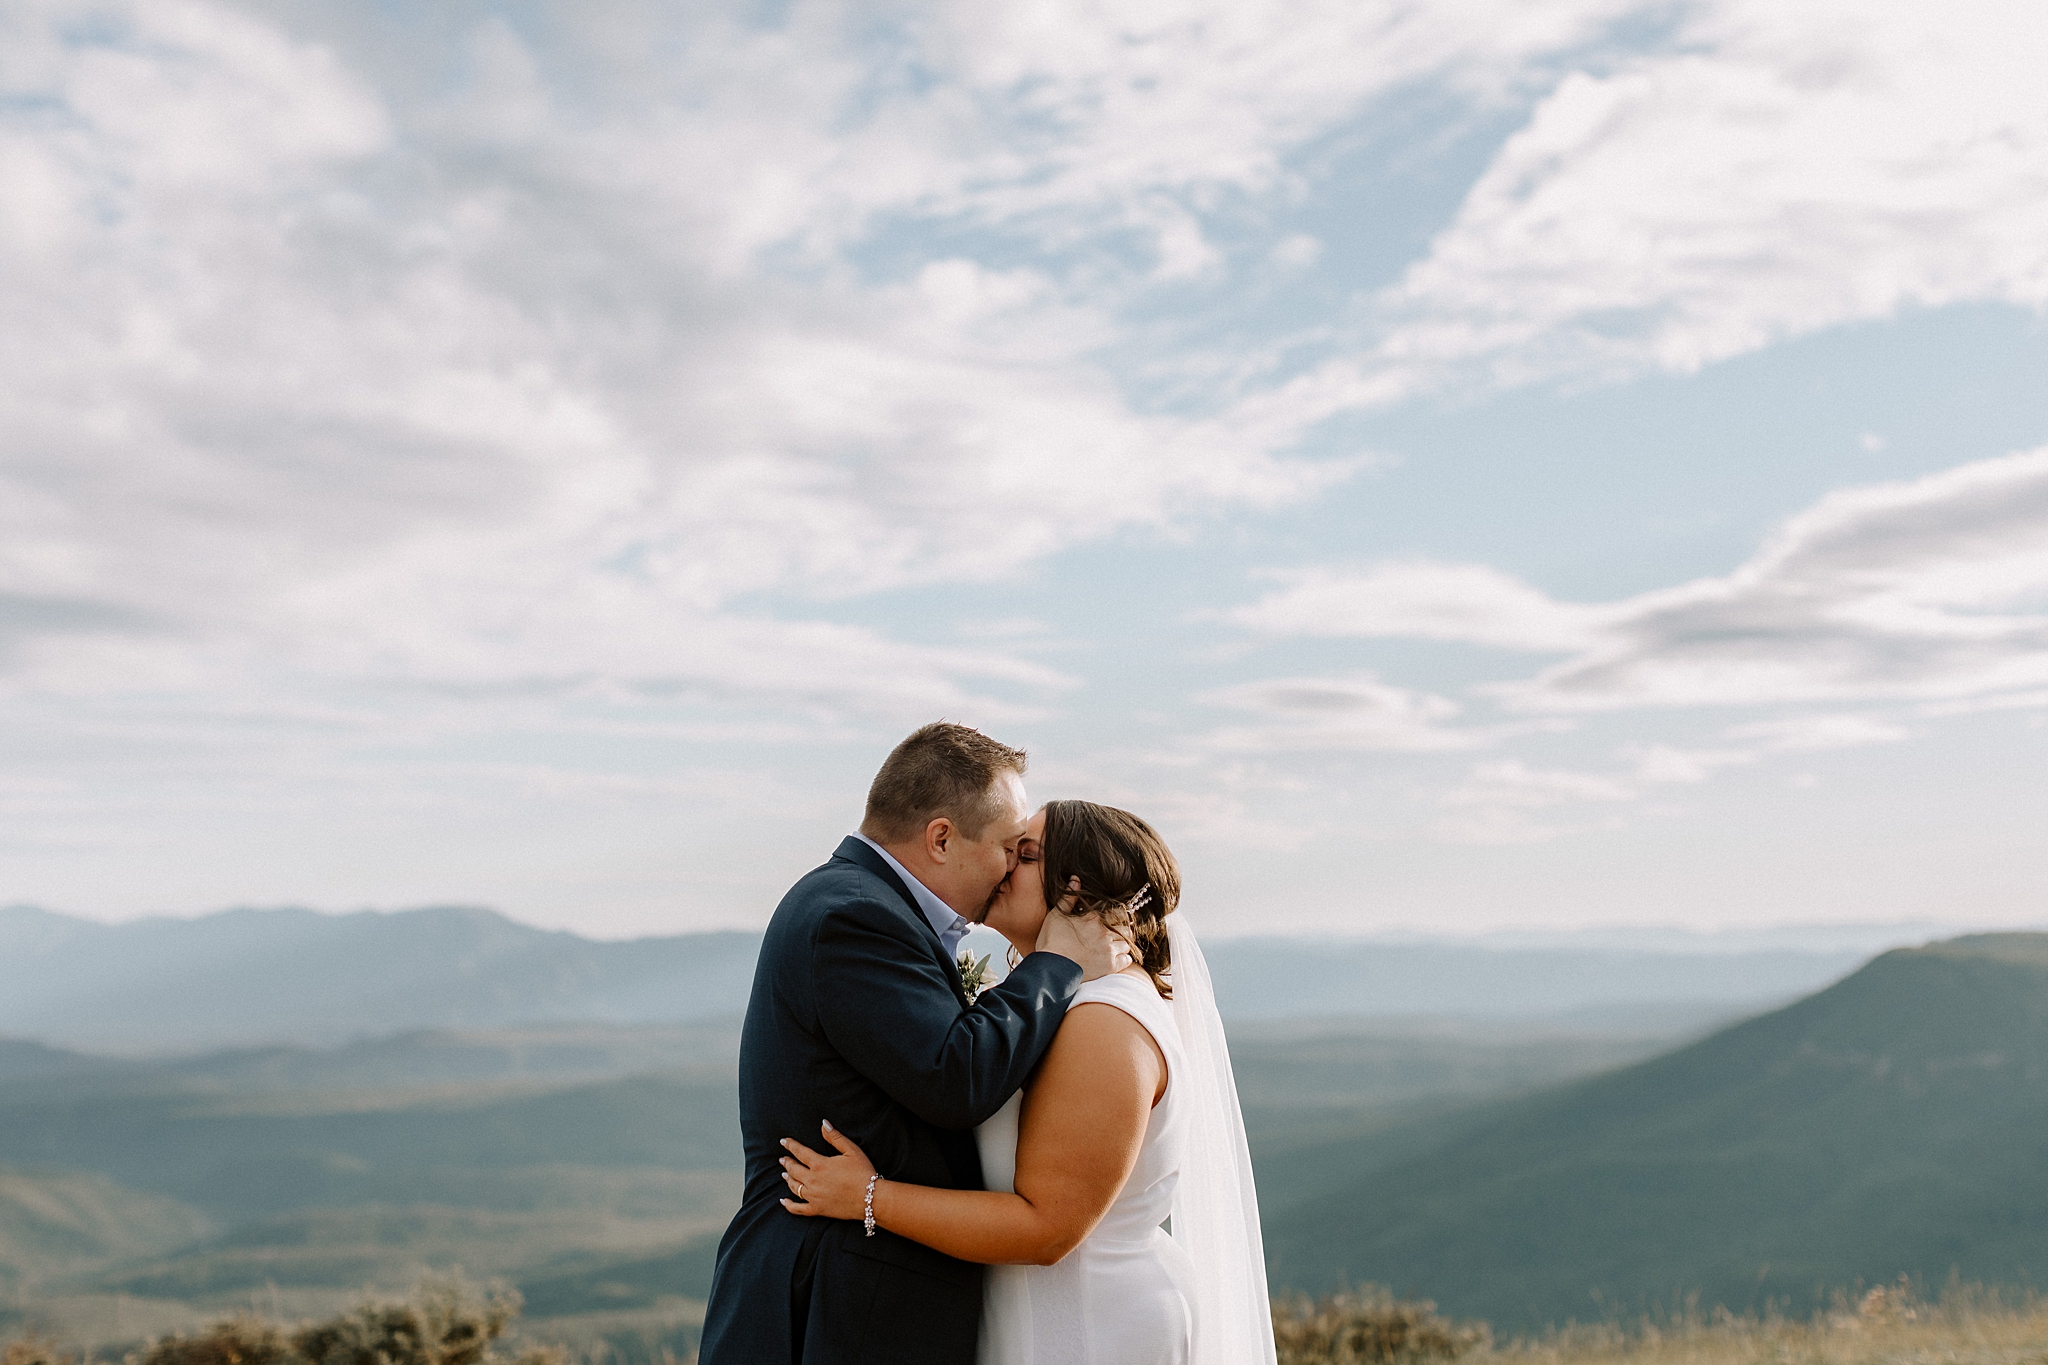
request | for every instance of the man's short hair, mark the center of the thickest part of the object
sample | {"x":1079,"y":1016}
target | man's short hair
{"x":941,"y":769}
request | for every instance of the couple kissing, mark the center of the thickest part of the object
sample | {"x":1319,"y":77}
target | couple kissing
{"x":1052,"y":1171}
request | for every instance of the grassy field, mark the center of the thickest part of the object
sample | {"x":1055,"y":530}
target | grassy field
{"x":1966,"y":1325}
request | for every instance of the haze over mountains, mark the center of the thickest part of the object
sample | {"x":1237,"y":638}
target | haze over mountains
{"x":258,"y":977}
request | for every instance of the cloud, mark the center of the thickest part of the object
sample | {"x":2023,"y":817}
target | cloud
{"x":1796,"y":734}
{"x":1777,"y":169}
{"x":1671,"y":763}
{"x":1312,"y":714}
{"x":318,"y":355}
{"x":1929,"y":590}
{"x":458,"y":351}
{"x":1514,"y":783}
{"x":1464,"y":602}
{"x":1499,"y":803}
{"x":307,"y":370}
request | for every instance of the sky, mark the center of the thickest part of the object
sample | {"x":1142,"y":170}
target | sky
{"x":1453,"y":468}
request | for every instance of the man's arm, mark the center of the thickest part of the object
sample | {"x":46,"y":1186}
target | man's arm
{"x":885,"y":1004}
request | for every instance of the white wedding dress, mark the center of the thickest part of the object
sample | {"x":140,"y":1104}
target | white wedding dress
{"x":1131,"y":1293}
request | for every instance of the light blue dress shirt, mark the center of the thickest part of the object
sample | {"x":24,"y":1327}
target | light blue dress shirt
{"x":951,"y":926}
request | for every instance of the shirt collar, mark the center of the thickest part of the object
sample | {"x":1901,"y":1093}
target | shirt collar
{"x":944,"y":918}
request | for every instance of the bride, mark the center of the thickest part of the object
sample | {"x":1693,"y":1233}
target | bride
{"x":1120,"y":1220}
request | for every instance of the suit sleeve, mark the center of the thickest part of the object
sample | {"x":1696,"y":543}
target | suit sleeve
{"x":885,"y":1004}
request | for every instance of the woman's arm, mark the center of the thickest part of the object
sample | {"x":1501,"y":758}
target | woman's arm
{"x":1084,"y":1121}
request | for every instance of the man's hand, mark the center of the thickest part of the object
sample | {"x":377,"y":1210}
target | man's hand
{"x":1085,"y":939}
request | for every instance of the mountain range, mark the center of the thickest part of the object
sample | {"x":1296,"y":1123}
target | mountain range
{"x":1512,"y":1167}
{"x":245,"y":978}
{"x":1896,"y":1122}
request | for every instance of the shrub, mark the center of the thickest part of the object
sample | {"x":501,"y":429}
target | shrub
{"x":1368,"y":1324}
{"x":34,"y":1351}
{"x":443,"y":1322}
{"x":238,"y":1341}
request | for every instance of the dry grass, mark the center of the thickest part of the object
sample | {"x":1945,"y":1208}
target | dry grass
{"x":1891,"y":1325}
{"x":444,"y":1323}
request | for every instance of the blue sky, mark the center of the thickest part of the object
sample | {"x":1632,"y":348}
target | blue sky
{"x":1493,"y":466}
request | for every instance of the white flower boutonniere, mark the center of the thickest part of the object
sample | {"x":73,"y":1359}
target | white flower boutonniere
{"x":973,"y":974}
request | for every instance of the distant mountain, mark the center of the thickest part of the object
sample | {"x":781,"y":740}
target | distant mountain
{"x":246,"y":978}
{"x":1896,"y":1122}
{"x":295,"y":976}
{"x":1267,"y":978}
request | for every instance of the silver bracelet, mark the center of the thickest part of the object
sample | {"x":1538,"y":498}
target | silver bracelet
{"x":867,"y":1217}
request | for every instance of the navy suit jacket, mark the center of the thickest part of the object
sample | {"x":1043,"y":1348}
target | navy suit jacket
{"x":858,"y":1016}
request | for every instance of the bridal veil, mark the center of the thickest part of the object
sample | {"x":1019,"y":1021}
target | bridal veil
{"x":1215,"y":1207}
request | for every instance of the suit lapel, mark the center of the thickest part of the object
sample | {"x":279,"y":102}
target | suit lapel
{"x":856,"y":851}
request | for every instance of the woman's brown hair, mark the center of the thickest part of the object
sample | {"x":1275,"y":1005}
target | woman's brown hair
{"x":1117,"y":856}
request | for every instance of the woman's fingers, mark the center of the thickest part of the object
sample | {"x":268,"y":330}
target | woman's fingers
{"x":846,"y":1145}
{"x":804,"y":1156}
{"x":800,"y":1210}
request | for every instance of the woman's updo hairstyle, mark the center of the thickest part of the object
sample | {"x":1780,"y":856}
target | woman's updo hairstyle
{"x":1117,"y":856}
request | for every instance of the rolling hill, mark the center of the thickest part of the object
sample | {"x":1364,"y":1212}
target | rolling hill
{"x":1896,"y":1122}
{"x":55,"y":1222}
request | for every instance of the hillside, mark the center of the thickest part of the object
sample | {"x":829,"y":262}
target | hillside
{"x":55,"y":1222}
{"x":1895,"y":1122}
{"x":260,"y":978}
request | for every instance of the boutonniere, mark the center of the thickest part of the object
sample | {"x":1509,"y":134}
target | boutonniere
{"x":973,"y":974}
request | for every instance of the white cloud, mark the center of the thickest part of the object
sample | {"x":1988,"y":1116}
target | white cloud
{"x":1814,"y":732}
{"x":1310,"y":714}
{"x":1926,"y":590}
{"x":1464,"y":602}
{"x":1674,"y":763}
{"x":1500,"y":803}
{"x":1777,"y":170}
{"x":1514,"y":783}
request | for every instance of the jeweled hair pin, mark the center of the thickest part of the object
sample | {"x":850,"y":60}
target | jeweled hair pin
{"x":1142,"y":899}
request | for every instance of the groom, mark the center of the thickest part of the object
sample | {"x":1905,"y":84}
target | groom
{"x":858,"y":1016}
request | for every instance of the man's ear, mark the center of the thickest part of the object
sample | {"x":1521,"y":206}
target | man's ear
{"x":937,"y":835}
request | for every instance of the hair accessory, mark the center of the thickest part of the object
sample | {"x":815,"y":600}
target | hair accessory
{"x":867,"y":1217}
{"x":1142,"y":899}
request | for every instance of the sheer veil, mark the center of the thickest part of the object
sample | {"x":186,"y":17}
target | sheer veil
{"x":1215,"y":1207}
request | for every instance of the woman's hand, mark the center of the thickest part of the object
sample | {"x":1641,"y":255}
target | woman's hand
{"x":827,"y":1186}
